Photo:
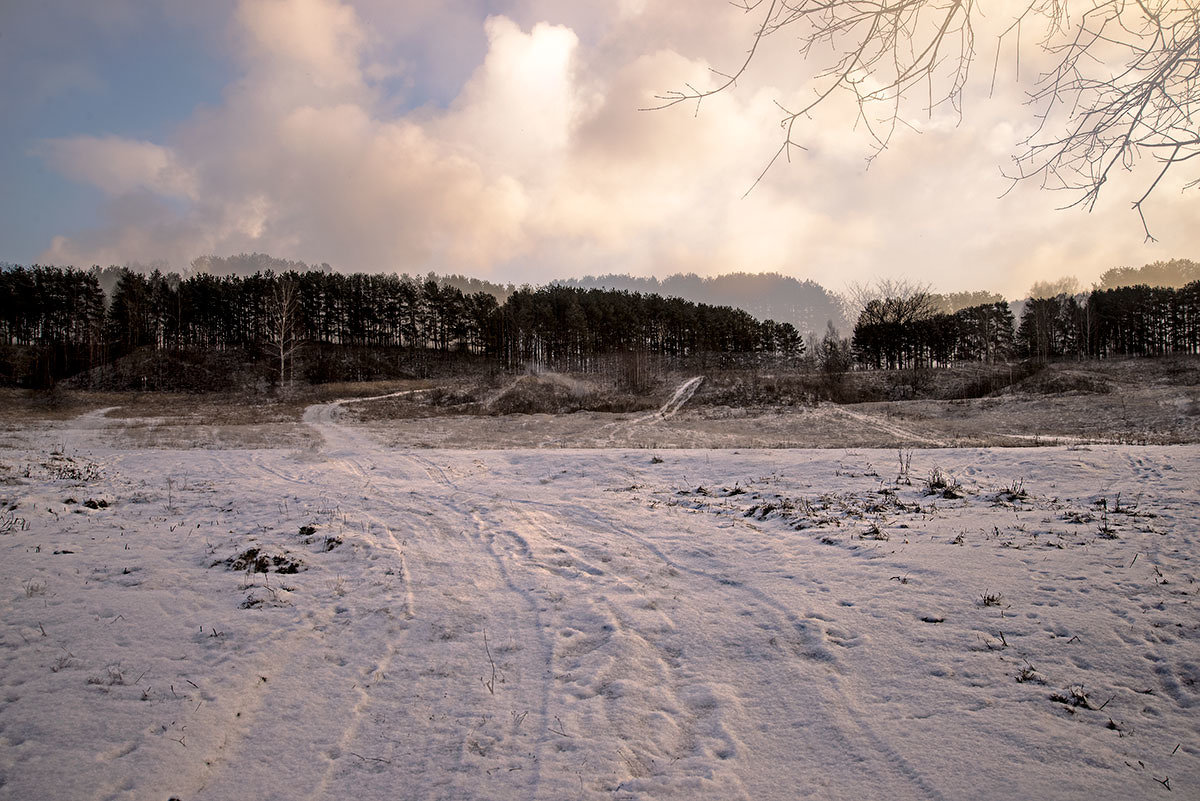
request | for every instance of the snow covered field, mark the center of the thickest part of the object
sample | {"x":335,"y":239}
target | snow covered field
{"x":587,"y":624}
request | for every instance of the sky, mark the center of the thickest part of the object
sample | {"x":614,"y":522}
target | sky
{"x":505,"y":140}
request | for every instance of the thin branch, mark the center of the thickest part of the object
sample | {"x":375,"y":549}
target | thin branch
{"x":1123,"y":84}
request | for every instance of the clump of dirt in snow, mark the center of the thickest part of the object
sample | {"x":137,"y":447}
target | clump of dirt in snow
{"x":309,"y":533}
{"x":252,"y":560}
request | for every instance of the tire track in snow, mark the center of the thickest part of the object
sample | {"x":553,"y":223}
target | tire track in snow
{"x":469,"y":568}
{"x":800,"y":640}
{"x":542,"y":668}
{"x":611,"y":680}
{"x":434,"y":471}
{"x":516,"y":538}
{"x":373,"y":632}
{"x":904,"y":434}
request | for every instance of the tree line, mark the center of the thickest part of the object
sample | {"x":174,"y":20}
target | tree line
{"x":898,"y":333}
{"x":905,"y":331}
{"x":1125,"y":321}
{"x":58,"y":322}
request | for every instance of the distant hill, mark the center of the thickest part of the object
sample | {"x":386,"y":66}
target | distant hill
{"x":950,"y":302}
{"x":768,"y":296}
{"x":246,"y":264}
{"x":1173,"y":274}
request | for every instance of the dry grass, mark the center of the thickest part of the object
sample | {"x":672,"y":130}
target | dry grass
{"x":500,"y":394}
{"x":1146,"y":401}
{"x":20,"y":406}
{"x":184,"y":420}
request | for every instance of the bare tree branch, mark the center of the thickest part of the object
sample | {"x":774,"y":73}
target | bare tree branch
{"x":1123,"y":82}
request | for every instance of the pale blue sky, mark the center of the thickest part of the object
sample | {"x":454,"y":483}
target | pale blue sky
{"x":63,"y":73}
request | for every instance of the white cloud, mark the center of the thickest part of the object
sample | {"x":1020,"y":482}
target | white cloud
{"x":540,"y":165}
{"x":514,"y":115}
{"x":120,"y":166}
{"x":314,"y":42}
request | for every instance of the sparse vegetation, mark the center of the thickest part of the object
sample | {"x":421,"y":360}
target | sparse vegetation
{"x":904,"y":476}
{"x":874,"y":532}
{"x":113,"y":676}
{"x":1014,"y":492}
{"x":940,"y":483}
{"x":11,"y":522}
{"x":1029,"y":674}
{"x":1073,"y":697}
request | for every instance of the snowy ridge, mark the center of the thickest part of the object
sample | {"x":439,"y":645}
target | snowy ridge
{"x":683,"y":393}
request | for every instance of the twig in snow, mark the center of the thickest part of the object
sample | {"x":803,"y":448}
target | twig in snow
{"x":561,"y":730}
{"x":371,"y":759}
{"x":491,"y":683}
{"x":1164,"y":782}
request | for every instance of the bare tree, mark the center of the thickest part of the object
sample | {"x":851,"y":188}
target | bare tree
{"x":282,"y":319}
{"x":1123,"y":83}
{"x":890,"y":300}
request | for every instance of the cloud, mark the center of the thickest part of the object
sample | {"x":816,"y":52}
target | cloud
{"x":514,"y":115}
{"x":318,"y":42}
{"x":119,"y":166}
{"x":534,"y":162}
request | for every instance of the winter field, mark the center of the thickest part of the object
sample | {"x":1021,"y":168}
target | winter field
{"x":319,"y":610}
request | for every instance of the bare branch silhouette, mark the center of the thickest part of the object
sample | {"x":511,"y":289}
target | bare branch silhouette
{"x":1123,"y":85}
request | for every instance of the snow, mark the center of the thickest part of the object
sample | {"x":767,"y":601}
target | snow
{"x":595,"y":623}
{"x":682,"y":394}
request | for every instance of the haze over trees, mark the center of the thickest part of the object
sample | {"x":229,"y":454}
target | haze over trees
{"x":805,"y":304}
{"x":1174,"y":274}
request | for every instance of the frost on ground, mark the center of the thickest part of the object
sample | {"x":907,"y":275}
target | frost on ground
{"x":357,"y":621}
